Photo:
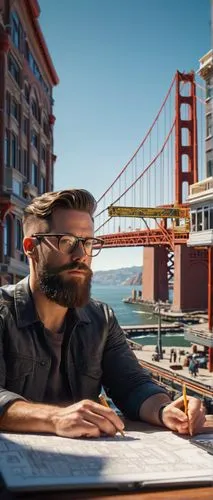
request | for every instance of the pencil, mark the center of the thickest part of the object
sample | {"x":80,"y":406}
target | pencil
{"x":103,"y":402}
{"x":185,"y":402}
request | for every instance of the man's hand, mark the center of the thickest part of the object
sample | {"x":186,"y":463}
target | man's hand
{"x":174,"y":418}
{"x":85,"y":419}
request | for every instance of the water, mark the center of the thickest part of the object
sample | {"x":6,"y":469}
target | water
{"x":134,"y":314}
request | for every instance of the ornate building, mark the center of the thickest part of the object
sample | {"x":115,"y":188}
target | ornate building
{"x":27,"y":77}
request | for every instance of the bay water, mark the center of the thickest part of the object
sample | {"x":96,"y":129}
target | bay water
{"x":134,"y":314}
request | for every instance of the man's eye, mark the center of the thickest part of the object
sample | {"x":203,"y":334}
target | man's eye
{"x":88,"y":243}
{"x":67,"y":242}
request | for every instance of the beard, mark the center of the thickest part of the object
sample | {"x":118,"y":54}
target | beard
{"x":71,"y":292}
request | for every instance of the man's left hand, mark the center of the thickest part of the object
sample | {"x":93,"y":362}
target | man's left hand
{"x":174,"y":418}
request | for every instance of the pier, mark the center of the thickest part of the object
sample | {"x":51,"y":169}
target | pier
{"x":136,"y":330}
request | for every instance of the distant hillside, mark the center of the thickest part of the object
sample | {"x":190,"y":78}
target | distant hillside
{"x":123,"y":276}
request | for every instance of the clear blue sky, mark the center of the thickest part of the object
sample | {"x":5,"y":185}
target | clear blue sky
{"x":115,"y":60}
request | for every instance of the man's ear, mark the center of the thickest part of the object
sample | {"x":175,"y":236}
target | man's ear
{"x":29,"y":246}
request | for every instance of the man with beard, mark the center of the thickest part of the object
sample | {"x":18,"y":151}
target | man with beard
{"x":58,"y":347}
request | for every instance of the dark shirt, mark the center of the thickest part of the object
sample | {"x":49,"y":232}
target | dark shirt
{"x":57,"y":388}
{"x":95,"y":354}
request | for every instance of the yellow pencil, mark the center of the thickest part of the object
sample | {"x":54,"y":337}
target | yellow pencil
{"x":103,"y":402}
{"x":185,"y":402}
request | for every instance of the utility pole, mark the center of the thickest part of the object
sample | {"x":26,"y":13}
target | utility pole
{"x":159,"y":340}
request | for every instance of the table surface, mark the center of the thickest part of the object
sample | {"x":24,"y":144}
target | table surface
{"x":198,"y":493}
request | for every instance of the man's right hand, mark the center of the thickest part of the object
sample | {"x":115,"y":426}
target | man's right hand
{"x":85,"y":419}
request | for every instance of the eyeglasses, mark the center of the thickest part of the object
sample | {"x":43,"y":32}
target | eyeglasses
{"x":67,"y":243}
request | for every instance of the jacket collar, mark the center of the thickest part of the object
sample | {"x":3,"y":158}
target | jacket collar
{"x":25,"y":308}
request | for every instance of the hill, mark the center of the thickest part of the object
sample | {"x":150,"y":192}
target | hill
{"x":122,"y":276}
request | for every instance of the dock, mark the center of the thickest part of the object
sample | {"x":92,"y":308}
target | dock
{"x":136,"y":330}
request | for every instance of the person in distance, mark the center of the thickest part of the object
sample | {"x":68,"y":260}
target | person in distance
{"x":58,"y":347}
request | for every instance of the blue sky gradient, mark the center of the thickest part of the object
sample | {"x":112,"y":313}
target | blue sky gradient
{"x":116,"y":60}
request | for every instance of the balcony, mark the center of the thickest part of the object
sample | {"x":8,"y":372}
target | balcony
{"x":201,"y":191}
{"x":200,"y":238}
{"x":206,"y":64}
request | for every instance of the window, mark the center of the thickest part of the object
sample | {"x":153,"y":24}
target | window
{"x":199,"y":220}
{"x":14,"y":150}
{"x":34,"y":174}
{"x":7,"y":236}
{"x":193,"y":221}
{"x":16,"y":30}
{"x":206,"y":218}
{"x":15,"y":109}
{"x":35,"y":68}
{"x":25,"y":125}
{"x":34,"y":108}
{"x":14,"y":69}
{"x":209,"y":89}
{"x":45,"y":128}
{"x":42,"y":184}
{"x":8,"y":103}
{"x":209,"y":127}
{"x":34,"y":139}
{"x":211,"y":217}
{"x":43,"y":153}
{"x":7,"y":148}
{"x":18,"y":235}
{"x":17,"y":187}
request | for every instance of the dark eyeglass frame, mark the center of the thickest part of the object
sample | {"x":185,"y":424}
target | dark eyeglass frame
{"x":98,"y":241}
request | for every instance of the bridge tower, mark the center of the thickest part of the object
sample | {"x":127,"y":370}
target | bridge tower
{"x":190,"y":265}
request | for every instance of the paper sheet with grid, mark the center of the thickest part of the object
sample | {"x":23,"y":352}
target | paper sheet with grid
{"x":37,"y":461}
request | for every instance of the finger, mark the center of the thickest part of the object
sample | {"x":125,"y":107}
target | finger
{"x":105,"y":412}
{"x":194,"y":405}
{"x":196,"y":425}
{"x":182,"y":428}
{"x":179,"y":415}
{"x":104,"y":425}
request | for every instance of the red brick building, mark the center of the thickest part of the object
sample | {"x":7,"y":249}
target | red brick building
{"x":27,"y":77}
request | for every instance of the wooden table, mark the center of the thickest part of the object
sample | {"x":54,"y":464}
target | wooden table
{"x":198,"y":493}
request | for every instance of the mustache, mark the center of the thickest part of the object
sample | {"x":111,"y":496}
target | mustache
{"x":72,"y":267}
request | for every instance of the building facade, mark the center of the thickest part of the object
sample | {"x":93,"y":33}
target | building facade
{"x":206,"y":72}
{"x":27,"y":77}
{"x":201,"y":211}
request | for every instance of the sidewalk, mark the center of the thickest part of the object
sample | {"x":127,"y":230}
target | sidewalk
{"x":204,"y":376}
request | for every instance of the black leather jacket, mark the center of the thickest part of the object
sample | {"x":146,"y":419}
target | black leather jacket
{"x":96,"y":354}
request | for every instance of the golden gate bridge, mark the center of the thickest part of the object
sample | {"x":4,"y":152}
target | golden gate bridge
{"x":146,"y":205}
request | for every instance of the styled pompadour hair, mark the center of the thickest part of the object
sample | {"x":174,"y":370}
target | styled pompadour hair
{"x":42,"y":207}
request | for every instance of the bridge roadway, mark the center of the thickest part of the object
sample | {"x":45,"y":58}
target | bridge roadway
{"x":146,"y":237}
{"x":201,"y":385}
{"x":136,"y":330}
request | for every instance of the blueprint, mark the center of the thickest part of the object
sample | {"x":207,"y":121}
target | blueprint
{"x":28,"y":460}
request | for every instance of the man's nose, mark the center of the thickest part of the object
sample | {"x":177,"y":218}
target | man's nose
{"x":78,"y":252}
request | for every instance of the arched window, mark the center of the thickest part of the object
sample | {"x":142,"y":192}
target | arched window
{"x":7,"y":236}
{"x":18,"y":235}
